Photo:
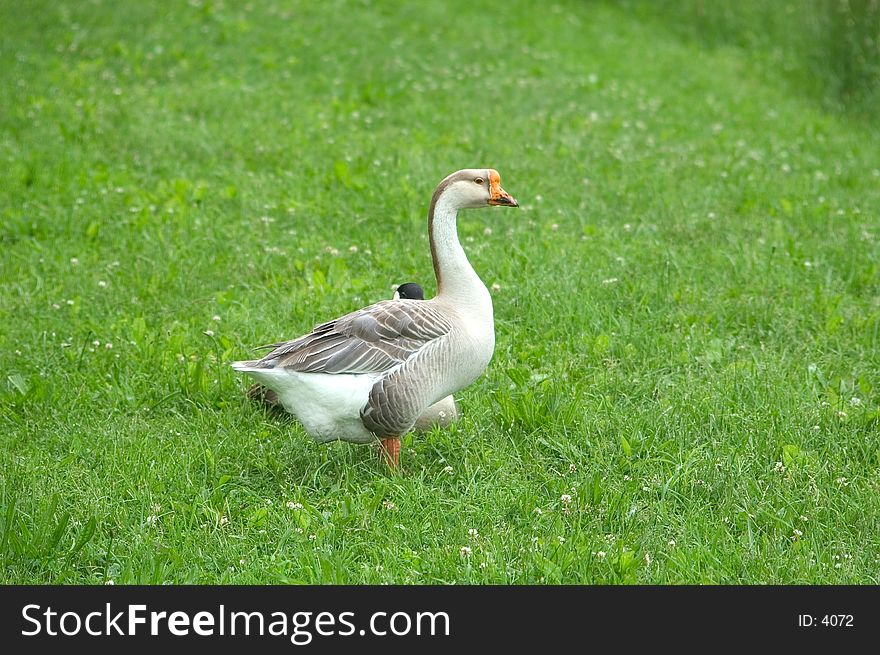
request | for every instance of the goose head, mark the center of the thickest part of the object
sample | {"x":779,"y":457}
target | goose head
{"x":410,"y":291}
{"x":475,"y":187}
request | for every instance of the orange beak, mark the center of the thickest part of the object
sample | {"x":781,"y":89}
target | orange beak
{"x":497,"y":195}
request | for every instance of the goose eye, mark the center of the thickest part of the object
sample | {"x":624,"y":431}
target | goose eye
{"x":479,"y":180}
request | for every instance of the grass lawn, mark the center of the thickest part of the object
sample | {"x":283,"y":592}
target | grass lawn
{"x":686,"y":383}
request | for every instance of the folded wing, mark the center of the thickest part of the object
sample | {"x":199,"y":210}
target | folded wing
{"x":370,"y":340}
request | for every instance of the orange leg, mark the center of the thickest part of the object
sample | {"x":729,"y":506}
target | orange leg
{"x":390,"y":451}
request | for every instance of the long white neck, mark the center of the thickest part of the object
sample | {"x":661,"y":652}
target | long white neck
{"x":457,"y":282}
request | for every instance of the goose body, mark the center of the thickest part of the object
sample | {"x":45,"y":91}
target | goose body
{"x":442,"y":413}
{"x":372,"y":373}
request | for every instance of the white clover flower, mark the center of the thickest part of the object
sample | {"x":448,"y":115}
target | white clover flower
{"x":465,"y":551}
{"x":293,"y":505}
{"x":473,"y":534}
{"x":102,"y":284}
{"x":600,"y":554}
{"x":565,"y":499}
{"x":448,"y":469}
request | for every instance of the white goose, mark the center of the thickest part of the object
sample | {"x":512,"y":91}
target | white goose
{"x":370,"y":374}
{"x":442,"y":413}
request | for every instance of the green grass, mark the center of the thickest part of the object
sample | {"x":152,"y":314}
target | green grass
{"x":827,"y":49}
{"x":686,"y":385}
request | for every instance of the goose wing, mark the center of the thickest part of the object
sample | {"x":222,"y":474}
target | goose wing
{"x":370,"y":340}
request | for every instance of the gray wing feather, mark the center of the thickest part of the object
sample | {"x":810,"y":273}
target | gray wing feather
{"x":370,"y":340}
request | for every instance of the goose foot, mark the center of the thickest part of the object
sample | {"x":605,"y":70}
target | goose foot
{"x":390,"y":451}
{"x":263,"y":395}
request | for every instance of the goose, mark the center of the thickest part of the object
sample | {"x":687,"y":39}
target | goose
{"x":370,"y":374}
{"x":409,"y":290}
{"x":444,"y":412}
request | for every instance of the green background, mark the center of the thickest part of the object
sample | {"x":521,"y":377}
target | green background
{"x":685,"y":384}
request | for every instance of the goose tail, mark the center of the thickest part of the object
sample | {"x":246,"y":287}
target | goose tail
{"x":245,"y":366}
